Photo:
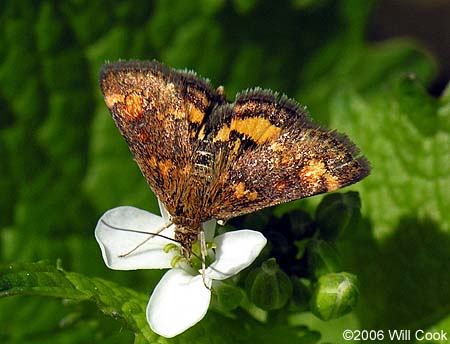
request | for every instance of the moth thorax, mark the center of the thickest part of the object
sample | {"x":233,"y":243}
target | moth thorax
{"x":203,"y":163}
{"x":186,"y":236}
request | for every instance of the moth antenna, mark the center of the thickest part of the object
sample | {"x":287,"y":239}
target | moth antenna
{"x":151,"y":235}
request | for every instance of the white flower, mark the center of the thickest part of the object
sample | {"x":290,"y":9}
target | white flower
{"x":180,"y":299}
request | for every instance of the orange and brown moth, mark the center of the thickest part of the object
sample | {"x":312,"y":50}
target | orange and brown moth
{"x":206,"y":158}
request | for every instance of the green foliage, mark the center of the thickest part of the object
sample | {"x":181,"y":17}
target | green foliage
{"x":63,"y":163}
{"x":123,"y":304}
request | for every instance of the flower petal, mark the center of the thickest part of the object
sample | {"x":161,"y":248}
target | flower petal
{"x":164,"y":213}
{"x":235,"y":251}
{"x":178,"y":302}
{"x":116,"y":242}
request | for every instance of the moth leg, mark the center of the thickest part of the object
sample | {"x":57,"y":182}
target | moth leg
{"x":151,"y":235}
{"x":204,"y":253}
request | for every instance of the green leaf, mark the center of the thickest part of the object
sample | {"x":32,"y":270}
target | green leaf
{"x":405,"y":136}
{"x":410,"y":159}
{"x":341,"y":68}
{"x":121,"y":303}
{"x":126,"y":305}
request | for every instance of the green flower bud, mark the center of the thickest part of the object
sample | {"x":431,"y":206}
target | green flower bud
{"x":334,"y":295}
{"x":322,"y":258}
{"x":226,"y":296}
{"x":268,"y":287}
{"x":299,"y":223}
{"x":336,"y":213}
{"x":301,"y":294}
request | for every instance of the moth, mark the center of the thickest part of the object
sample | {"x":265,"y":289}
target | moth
{"x":205,"y":158}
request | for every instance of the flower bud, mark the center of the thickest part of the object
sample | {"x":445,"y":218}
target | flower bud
{"x":322,"y":258}
{"x":227,"y":296}
{"x":336,"y":213}
{"x":299,"y":223}
{"x":301,"y":294}
{"x":334,"y":295}
{"x":268,"y":287}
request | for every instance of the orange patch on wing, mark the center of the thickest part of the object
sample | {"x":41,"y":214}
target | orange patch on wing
{"x":237,"y":145}
{"x":277,"y":147}
{"x":258,"y":129}
{"x":223,"y":134}
{"x":164,"y":169}
{"x":252,"y":196}
{"x":316,"y":173}
{"x":332,"y":182}
{"x":281,"y":185}
{"x":151,"y":161}
{"x":195,"y":115}
{"x":241,"y":191}
{"x":133,"y":105}
{"x":313,"y":172}
{"x":201,"y":133}
{"x":112,"y":99}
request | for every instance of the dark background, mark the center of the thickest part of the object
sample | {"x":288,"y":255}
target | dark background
{"x":425,"y":21}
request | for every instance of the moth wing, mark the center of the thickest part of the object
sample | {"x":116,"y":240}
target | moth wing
{"x":267,"y":151}
{"x":159,"y":112}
